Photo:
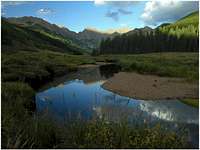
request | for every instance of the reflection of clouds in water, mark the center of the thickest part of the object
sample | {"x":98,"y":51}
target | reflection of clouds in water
{"x":170,"y":111}
{"x":98,"y":111}
{"x":87,"y":98}
{"x":163,"y":115}
{"x":114,"y":113}
{"x":78,"y":96}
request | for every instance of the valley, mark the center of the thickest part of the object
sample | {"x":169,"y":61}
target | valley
{"x":63,"y":89}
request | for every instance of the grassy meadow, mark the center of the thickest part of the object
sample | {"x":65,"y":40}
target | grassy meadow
{"x":36,"y":68}
{"x":191,"y":102}
{"x":183,"y":65}
{"x":24,"y":72}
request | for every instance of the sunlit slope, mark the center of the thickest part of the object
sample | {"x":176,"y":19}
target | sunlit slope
{"x":191,"y":19}
{"x":180,"y":36}
{"x":15,"y":37}
{"x":187,"y":26}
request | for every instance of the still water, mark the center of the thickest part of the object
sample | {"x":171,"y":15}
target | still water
{"x":81,"y":96}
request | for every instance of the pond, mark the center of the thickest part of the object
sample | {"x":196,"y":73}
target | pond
{"x":81,"y":96}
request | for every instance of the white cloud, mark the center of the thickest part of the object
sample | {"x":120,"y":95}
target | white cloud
{"x":116,"y":4}
{"x":45,"y":11}
{"x":122,"y":4}
{"x":156,"y":12}
{"x":99,"y":2}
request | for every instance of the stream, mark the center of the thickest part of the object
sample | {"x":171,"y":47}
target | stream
{"x":80,"y":95}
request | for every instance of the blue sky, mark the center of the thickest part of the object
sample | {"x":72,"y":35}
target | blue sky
{"x":105,"y":15}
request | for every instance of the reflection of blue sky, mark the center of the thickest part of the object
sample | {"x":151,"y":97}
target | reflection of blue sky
{"x":75,"y":97}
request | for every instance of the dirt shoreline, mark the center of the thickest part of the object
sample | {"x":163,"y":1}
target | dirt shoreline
{"x":97,"y":64}
{"x":151,"y":87}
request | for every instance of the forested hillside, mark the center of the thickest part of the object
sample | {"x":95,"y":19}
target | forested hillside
{"x":183,"y":35}
{"x":87,"y":39}
{"x":16,"y":37}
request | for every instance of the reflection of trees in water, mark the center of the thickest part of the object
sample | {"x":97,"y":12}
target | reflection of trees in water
{"x":89,"y":74}
{"x":97,"y":73}
{"x":107,"y":71}
{"x":113,"y":106}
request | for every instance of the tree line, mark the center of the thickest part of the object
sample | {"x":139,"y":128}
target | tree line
{"x":163,"y":39}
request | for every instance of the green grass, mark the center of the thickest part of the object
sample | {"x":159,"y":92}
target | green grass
{"x":36,"y":68}
{"x":17,"y":99}
{"x":20,"y":129}
{"x":42,"y":133}
{"x":184,"y":65}
{"x":191,"y":102}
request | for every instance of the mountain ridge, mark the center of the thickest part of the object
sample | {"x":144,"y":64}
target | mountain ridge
{"x":87,"y":37}
{"x":17,"y":37}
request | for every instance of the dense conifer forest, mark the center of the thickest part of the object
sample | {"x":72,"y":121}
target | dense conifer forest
{"x":181,"y":36}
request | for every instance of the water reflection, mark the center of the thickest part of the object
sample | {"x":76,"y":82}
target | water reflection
{"x":107,"y":71}
{"x":171,"y":111}
{"x":91,"y":99}
{"x":88,"y":75}
{"x":86,"y":99}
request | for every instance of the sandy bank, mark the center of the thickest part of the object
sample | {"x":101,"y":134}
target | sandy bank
{"x":97,"y":64}
{"x":150,"y":87}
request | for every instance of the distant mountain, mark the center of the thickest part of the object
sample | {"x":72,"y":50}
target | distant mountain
{"x":21,"y":37}
{"x":90,"y":38}
{"x":163,"y":25}
{"x":40,"y":24}
{"x":87,"y":39}
{"x":120,"y":30}
{"x":139,"y":30}
{"x":182,"y":35}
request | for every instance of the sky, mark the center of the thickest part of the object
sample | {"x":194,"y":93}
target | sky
{"x":101,"y":15}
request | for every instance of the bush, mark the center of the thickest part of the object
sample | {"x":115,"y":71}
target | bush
{"x":43,"y":133}
{"x":17,"y":98}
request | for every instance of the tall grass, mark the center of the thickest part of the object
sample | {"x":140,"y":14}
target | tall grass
{"x":191,"y":102}
{"x":184,"y":65}
{"x":36,"y":68}
{"x":41,"y":133}
{"x":22,"y":129}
